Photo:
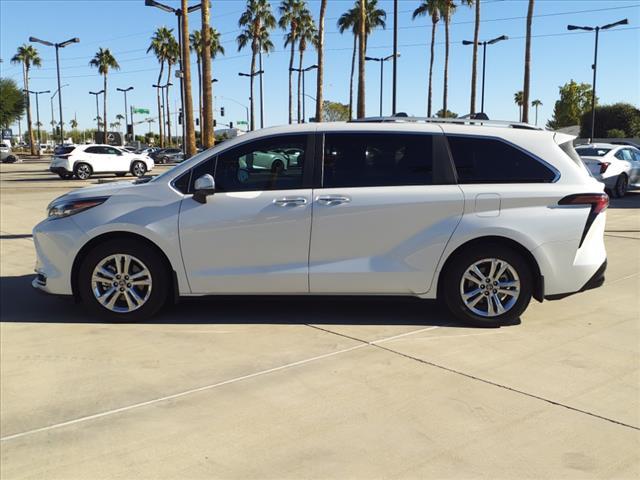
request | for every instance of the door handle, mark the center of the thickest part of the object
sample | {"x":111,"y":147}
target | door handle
{"x":289,"y":201}
{"x":332,"y":199}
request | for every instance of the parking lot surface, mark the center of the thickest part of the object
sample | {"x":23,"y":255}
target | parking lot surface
{"x":288,"y":388}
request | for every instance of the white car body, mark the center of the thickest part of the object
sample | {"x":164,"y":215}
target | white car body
{"x":67,"y":160}
{"x":617,"y":166}
{"x":378,"y":240}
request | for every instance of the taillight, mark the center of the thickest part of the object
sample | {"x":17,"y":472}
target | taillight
{"x":597,"y":201}
{"x":604,"y":166}
{"x":63,"y":156}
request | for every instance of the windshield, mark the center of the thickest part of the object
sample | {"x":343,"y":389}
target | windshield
{"x":592,"y":151}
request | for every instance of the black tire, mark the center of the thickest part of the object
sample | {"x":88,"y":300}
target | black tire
{"x":121,"y":174}
{"x":66,"y":176}
{"x":138,"y":169}
{"x":82,"y":171}
{"x":277,"y":166}
{"x":153,"y":261}
{"x":10,"y":159}
{"x":622,"y":184}
{"x":450,"y":288}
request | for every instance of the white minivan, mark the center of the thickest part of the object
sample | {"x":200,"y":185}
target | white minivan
{"x":481,"y":216}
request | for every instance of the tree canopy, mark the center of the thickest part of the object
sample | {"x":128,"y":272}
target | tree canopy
{"x":12,"y":102}
{"x":620,"y":120}
{"x":575,"y":100}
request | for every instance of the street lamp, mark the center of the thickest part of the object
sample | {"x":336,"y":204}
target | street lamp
{"x":381,"y":60}
{"x":37,"y":94}
{"x":53,"y":120}
{"x":484,"y":59}
{"x":163,"y":107}
{"x":250,"y":75}
{"x":595,"y":64}
{"x":178,"y":13}
{"x":58,"y":46}
{"x":126,"y":120}
{"x":303,"y":70}
{"x":97,"y":109}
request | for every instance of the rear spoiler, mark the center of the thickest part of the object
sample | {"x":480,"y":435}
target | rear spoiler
{"x":561,"y":138}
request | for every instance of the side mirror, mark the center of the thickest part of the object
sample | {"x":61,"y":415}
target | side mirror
{"x":204,"y":186}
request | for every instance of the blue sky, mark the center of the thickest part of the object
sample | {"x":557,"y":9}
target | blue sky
{"x":125,"y":27}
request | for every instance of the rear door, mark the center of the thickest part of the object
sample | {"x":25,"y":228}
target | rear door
{"x":385,"y":211}
{"x":634,"y":177}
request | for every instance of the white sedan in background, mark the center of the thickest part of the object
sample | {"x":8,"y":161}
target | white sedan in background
{"x":617,"y":166}
{"x":82,"y":161}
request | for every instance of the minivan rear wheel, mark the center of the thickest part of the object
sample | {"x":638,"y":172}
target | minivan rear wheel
{"x":123,"y":280}
{"x":490,"y":285}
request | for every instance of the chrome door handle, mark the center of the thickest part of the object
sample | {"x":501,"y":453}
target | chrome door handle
{"x":289,"y":201}
{"x":332,"y":199}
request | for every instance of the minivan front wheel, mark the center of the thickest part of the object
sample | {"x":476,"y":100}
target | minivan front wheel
{"x":488,"y":286}
{"x":124,"y":280}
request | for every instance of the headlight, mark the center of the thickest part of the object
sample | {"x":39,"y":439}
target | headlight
{"x":71,"y":207}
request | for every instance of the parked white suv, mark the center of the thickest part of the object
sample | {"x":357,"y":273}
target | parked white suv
{"x":483,"y":217}
{"x":82,"y":161}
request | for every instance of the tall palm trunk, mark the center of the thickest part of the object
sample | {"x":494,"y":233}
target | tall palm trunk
{"x":160,"y":111}
{"x":320,"y":77}
{"x":446,"y":64}
{"x":25,"y":72}
{"x":293,"y":48}
{"x":361,"y":53}
{"x":254,"y":51}
{"x":104,"y":108}
{"x":430,"y":90}
{"x":300,"y":119}
{"x":353,"y":71}
{"x":168,"y":110}
{"x":527,"y":66}
{"x":200,"y":115}
{"x":190,"y":134}
{"x":206,"y":114}
{"x":474,"y":64}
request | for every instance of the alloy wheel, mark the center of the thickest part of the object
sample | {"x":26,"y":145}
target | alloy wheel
{"x":490,"y":287}
{"x":121,"y":283}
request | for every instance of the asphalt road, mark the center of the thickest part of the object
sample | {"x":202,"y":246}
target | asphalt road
{"x":289,"y":388}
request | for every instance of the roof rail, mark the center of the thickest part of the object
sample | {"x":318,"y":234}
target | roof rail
{"x":454,"y":121}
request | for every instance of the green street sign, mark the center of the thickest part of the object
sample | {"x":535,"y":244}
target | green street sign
{"x":143,"y":111}
{"x":241,"y":122}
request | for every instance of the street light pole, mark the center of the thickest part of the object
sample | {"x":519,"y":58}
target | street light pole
{"x":484,"y":60}
{"x":97,"y":109}
{"x":302,"y":71}
{"x":126,"y":119}
{"x":624,"y":21}
{"x":57,"y":46}
{"x":395,"y":57}
{"x":381,"y":60}
{"x":37,"y":94}
{"x":241,"y":104}
{"x":259,"y":72}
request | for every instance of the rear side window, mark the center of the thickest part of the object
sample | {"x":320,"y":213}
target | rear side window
{"x":63,"y":150}
{"x":488,"y":160}
{"x":377,"y":160}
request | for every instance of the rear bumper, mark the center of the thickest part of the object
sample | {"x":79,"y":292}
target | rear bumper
{"x":596,"y":281}
{"x":59,"y":170}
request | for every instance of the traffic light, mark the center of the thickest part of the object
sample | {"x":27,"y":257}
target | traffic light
{"x":197,"y":122}
{"x":230,"y":124}
{"x":222,"y":111}
{"x":215,"y":124}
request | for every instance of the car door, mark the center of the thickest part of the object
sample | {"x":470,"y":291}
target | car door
{"x":116,"y":160}
{"x":252,"y":235}
{"x":387,"y":207}
{"x":93,"y":156}
{"x":635,"y":167}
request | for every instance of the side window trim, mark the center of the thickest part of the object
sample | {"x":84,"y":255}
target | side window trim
{"x":529,"y":154}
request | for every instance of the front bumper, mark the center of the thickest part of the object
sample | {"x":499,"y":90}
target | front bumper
{"x":57,"y":242}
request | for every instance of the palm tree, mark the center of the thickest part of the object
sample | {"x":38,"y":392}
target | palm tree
{"x":535,"y":104}
{"x":307,"y":33}
{"x":159,"y":47}
{"x":74,"y":124}
{"x":320,"y":76}
{"x":518,"y":99}
{"x":447,"y":11}
{"x":189,"y":145}
{"x":432,"y":9}
{"x":292,"y":14}
{"x":197,"y":46}
{"x":474,"y":61}
{"x":28,"y":56}
{"x":119,"y":119}
{"x":207,"y":52}
{"x":173,"y":55}
{"x":256,"y":21}
{"x":103,"y":60}
{"x":350,"y":21}
{"x":527,"y":65}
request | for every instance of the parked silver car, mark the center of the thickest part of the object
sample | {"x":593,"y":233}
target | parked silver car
{"x":617,"y":166}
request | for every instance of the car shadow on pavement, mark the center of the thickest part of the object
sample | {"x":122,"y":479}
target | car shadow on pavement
{"x":630,"y":200}
{"x":20,"y":303}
